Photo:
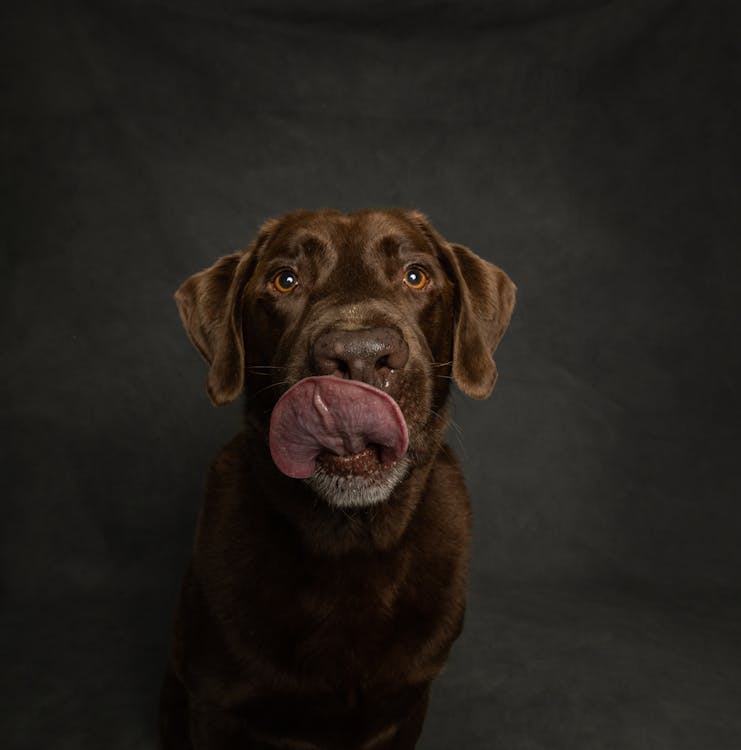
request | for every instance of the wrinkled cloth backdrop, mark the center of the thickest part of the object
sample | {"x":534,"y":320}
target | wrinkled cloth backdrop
{"x":589,"y":148}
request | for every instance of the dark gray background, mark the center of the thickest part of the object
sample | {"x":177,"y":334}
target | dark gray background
{"x":591,"y":149}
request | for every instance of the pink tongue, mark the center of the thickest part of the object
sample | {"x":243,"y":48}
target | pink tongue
{"x":332,"y":414}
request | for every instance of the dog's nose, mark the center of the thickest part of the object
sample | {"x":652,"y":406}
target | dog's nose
{"x":368,"y":354}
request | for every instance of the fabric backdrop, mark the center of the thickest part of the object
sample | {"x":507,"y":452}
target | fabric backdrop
{"x":591,"y":149}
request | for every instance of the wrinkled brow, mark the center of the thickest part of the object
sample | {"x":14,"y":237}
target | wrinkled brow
{"x":392,"y":244}
{"x":300,"y":243}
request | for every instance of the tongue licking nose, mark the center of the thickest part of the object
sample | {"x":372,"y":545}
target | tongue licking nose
{"x":327,"y":414}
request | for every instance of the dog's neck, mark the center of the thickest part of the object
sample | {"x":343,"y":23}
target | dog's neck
{"x":330,"y":531}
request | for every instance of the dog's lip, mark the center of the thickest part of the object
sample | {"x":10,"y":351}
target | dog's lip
{"x":364,"y":463}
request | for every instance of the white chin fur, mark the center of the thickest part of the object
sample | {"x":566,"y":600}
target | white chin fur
{"x":357,"y":491}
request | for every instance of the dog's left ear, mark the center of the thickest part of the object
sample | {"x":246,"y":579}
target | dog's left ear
{"x":485,"y":299}
{"x":484,"y":305}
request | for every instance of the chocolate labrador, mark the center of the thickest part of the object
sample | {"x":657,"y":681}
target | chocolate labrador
{"x":328,"y":576}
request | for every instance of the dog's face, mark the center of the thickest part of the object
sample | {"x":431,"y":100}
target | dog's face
{"x":373,"y":296}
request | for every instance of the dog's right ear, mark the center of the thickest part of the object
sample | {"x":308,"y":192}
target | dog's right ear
{"x":211,"y":306}
{"x":207,"y":306}
{"x":485,"y":298}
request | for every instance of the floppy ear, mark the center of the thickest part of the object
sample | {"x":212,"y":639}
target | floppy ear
{"x":209,"y":306}
{"x":485,"y":298}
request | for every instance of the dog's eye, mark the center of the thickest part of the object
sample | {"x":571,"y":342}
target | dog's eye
{"x":285,"y":280}
{"x":415,"y":278}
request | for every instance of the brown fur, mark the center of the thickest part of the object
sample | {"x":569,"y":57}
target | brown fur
{"x":304,"y":625}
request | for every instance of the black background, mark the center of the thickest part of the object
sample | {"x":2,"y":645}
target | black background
{"x":591,"y":149}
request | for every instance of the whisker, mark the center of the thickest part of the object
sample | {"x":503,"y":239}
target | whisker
{"x":451,"y":422}
{"x":346,"y":514}
{"x":267,"y":388}
{"x":457,"y":427}
{"x":458,"y":432}
{"x":262,"y":369}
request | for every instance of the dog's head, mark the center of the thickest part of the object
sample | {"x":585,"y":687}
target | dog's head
{"x":377,"y":297}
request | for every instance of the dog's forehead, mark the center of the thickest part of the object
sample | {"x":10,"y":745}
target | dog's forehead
{"x":370,"y":226}
{"x":360,"y":231}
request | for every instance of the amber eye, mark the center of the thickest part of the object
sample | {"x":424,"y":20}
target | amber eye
{"x":285,"y":280}
{"x":416,"y":278}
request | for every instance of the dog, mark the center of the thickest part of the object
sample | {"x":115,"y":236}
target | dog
{"x":327,"y":582}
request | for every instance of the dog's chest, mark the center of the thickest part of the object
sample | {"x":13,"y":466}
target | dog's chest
{"x":346,"y":616}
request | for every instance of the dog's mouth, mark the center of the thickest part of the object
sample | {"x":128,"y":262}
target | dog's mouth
{"x":367,"y":462}
{"x":345,"y":427}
